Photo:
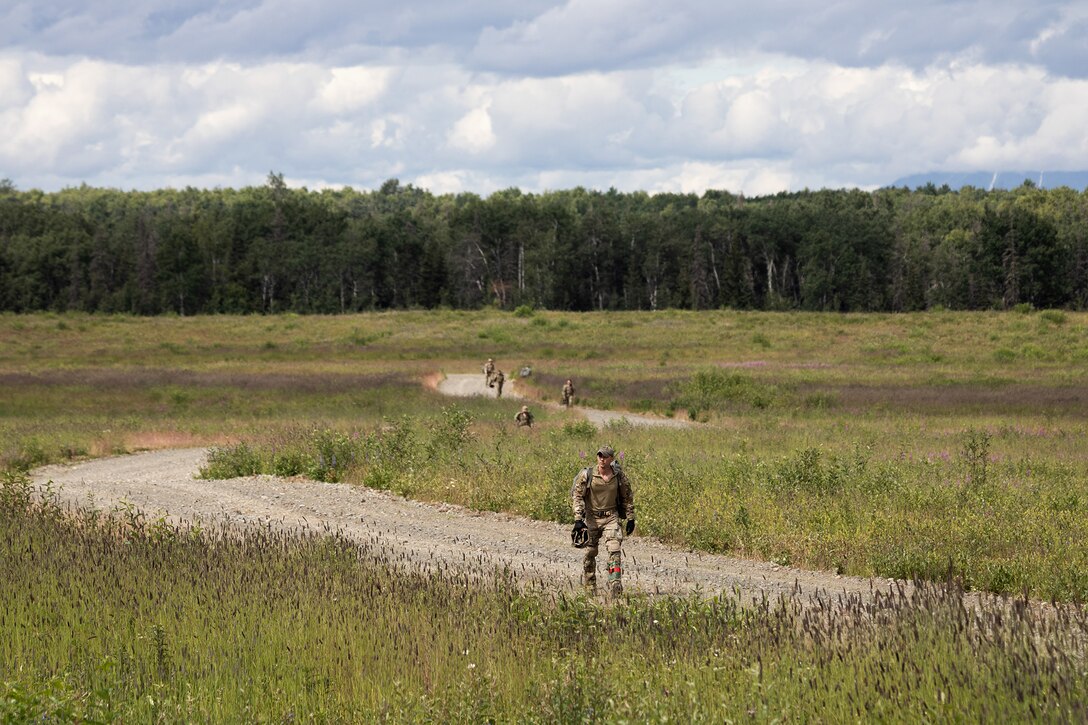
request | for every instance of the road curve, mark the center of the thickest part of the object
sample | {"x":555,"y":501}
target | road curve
{"x":418,"y":535}
{"x":467,"y":386}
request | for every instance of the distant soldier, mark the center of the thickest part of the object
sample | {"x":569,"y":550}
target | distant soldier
{"x":568,"y":393}
{"x":496,"y":382}
{"x":524,"y":418}
{"x":601,"y":496}
{"x":489,"y":371}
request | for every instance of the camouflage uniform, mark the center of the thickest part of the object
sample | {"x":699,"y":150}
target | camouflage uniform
{"x":497,"y":380}
{"x":568,"y":393}
{"x":489,"y":370}
{"x":601,"y":504}
{"x":524,"y":418}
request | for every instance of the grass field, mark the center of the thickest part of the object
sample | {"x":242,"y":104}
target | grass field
{"x":895,"y":445}
{"x":122,"y":619}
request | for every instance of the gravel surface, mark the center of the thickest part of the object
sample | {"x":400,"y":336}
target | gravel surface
{"x":414,"y":534}
{"x":467,"y":386}
{"x":424,"y":536}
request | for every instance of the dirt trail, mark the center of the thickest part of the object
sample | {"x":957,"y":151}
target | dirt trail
{"x":417,"y":535}
{"x":467,"y":386}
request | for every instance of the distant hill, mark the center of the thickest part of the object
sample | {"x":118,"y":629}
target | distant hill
{"x":997,"y":179}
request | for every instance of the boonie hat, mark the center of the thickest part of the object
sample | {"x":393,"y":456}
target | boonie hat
{"x":606,"y":452}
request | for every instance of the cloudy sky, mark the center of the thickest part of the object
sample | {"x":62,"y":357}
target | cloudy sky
{"x":480,"y":95}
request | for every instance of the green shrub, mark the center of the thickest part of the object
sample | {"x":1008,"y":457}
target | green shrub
{"x":579,"y":429}
{"x":976,"y":455}
{"x":804,"y":471}
{"x":333,"y":454}
{"x":15,"y":491}
{"x":819,"y":401}
{"x":31,"y":455}
{"x":720,"y":389}
{"x":392,"y":445}
{"x":452,"y":430}
{"x":524,"y":311}
{"x":231,"y":462}
{"x":290,"y":462}
{"x":1056,"y":317}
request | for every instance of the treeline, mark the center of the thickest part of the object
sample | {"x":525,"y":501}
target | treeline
{"x":275,"y":249}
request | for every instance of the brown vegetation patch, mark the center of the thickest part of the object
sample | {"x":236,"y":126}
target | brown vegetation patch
{"x":162,"y":439}
{"x":962,"y":398}
{"x":129,"y":378}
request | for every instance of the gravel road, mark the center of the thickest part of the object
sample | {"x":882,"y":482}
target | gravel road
{"x":414,"y":534}
{"x":467,"y":386}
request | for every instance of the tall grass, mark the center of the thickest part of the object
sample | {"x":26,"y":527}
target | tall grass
{"x":117,"y":618}
{"x":889,"y":445}
{"x":999,"y":526}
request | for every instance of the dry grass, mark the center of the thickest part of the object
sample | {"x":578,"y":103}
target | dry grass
{"x":121,"y":619}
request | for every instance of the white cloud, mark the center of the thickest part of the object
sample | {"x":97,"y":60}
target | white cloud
{"x":16,"y":87}
{"x":350,"y":89}
{"x":472,"y":132}
{"x":443,"y":182}
{"x":222,"y":124}
{"x":751,"y":120}
{"x":1056,"y":140}
{"x":745,"y":121}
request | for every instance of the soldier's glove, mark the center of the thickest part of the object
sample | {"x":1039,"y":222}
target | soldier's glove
{"x":579,"y":535}
{"x":630,"y":526}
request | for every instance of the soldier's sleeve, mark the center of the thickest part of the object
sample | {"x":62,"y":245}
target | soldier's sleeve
{"x":627,"y":495}
{"x":578,"y":495}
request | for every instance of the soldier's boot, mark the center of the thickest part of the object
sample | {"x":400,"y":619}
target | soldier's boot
{"x":589,"y":581}
{"x":615,"y":578}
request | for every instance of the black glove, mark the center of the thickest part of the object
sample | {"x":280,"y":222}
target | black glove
{"x":630,"y":526}
{"x":579,"y":535}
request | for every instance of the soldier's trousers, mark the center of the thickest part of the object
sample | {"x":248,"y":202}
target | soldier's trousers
{"x":606,"y":528}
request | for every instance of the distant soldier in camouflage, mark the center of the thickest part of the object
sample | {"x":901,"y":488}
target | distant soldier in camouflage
{"x":568,"y":393}
{"x":601,"y":496}
{"x":496,"y":382}
{"x":489,"y":371}
{"x":524,"y":418}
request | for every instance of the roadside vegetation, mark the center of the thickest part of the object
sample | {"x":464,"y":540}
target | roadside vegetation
{"x":947,"y":447}
{"x":876,"y":445}
{"x":118,"y":618}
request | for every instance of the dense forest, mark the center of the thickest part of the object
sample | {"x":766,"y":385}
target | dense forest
{"x":275,"y":249}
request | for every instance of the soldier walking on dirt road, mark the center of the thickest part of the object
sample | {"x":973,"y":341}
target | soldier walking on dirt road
{"x":568,"y":393}
{"x":496,"y":382}
{"x":489,"y":370}
{"x":601,"y":496}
